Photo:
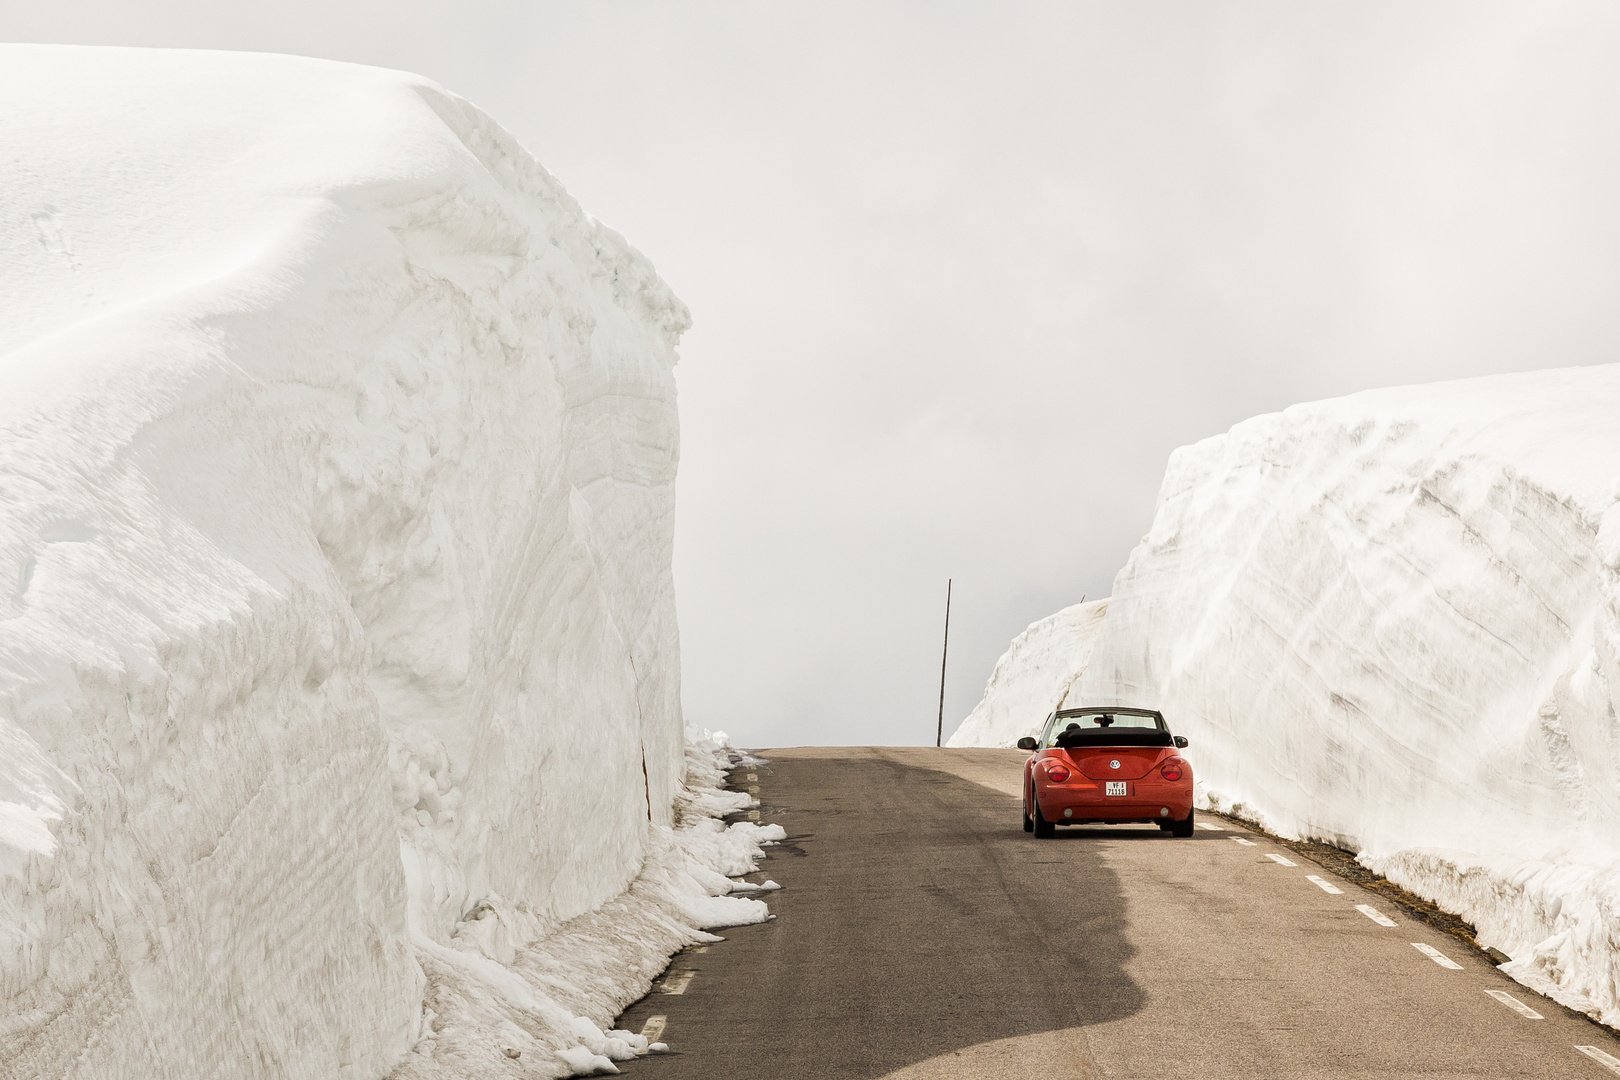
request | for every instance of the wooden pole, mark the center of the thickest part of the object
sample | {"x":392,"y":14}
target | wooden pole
{"x":939,"y":733}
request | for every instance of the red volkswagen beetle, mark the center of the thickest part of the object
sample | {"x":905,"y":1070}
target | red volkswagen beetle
{"x":1107,"y":764}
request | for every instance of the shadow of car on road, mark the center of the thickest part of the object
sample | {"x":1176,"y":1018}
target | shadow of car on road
{"x":914,"y":927}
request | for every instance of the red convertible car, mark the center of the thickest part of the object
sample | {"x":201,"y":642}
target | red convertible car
{"x":1109,"y":765}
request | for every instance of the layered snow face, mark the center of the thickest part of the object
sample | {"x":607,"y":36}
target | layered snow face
{"x":338,"y":656}
{"x":1393,"y":621}
{"x":1032,"y":677}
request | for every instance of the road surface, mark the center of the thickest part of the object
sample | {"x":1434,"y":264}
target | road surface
{"x":921,"y":934}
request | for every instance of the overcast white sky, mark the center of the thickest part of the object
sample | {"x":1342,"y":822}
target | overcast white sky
{"x":962,"y":274}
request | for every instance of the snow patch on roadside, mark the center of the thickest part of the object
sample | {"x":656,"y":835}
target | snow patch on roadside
{"x":550,"y":992}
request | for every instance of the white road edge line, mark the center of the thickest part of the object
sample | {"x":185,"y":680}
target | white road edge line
{"x":1437,"y":956}
{"x":1375,"y":915}
{"x":1515,"y":1004}
{"x":1325,"y":885}
{"x":1245,"y":843}
{"x":1274,"y":857}
{"x":1211,"y":828}
{"x":653,"y":1029}
{"x":678,"y":982}
{"x":1608,"y":1062}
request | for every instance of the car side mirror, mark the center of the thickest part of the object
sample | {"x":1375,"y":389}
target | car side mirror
{"x":1181,"y":743}
{"x":1026,"y":743}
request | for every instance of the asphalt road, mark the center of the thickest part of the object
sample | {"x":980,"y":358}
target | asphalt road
{"x":922,"y":934}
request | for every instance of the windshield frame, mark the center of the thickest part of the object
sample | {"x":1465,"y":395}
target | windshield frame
{"x":1056,"y":726}
{"x":1046,"y":736}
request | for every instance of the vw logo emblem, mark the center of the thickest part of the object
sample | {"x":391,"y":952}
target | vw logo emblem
{"x":1113,"y":764}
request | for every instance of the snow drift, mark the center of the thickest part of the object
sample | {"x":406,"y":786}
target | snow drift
{"x":339,"y":701}
{"x":1032,"y":677}
{"x":1392,"y":621}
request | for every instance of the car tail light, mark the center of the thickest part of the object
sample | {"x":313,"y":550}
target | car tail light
{"x":1057,"y":774}
{"x":1172,"y":769}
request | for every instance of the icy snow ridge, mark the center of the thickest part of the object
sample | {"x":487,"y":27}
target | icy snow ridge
{"x":1032,"y":677}
{"x":339,"y":686}
{"x":1392,"y":621}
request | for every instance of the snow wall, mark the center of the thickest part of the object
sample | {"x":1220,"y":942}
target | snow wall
{"x":1392,"y":621}
{"x":1032,"y":677}
{"x":339,"y":692}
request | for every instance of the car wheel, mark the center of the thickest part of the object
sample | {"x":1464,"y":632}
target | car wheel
{"x":1042,"y":828}
{"x":1029,"y":826}
{"x":1165,"y":825}
{"x":1183,"y":828}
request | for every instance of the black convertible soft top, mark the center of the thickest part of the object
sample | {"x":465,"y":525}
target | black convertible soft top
{"x":1069,"y":740}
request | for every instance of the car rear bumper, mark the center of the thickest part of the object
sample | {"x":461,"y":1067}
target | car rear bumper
{"x":1071,"y":803}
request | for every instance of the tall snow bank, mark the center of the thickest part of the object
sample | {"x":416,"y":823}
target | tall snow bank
{"x":338,"y":656}
{"x":1393,"y":621}
{"x":1032,"y":677}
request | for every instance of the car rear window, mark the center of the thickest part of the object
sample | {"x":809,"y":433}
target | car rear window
{"x":1101,"y":720}
{"x":1108,"y":729}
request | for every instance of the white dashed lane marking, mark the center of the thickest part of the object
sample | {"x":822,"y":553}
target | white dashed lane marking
{"x":1515,"y":1004}
{"x":753,"y":789}
{"x":1607,"y":1061}
{"x":1375,"y":915}
{"x":653,"y":1029}
{"x":1437,"y":956}
{"x":753,"y":776}
{"x":678,"y":982}
{"x":753,"y":815}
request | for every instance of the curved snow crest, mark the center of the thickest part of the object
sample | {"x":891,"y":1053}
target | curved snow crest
{"x":1392,"y":621}
{"x":337,"y":460}
{"x":1033,"y":677}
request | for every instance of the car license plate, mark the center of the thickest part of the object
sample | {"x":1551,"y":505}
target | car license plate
{"x":1115,"y":787}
